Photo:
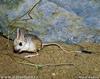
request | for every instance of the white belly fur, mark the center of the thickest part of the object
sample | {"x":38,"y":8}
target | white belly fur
{"x":32,"y":47}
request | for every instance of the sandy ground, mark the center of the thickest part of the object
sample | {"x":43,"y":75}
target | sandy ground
{"x":51,"y":63}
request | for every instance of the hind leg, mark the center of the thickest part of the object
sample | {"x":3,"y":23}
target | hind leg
{"x":31,"y":55}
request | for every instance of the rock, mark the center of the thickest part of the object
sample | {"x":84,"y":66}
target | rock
{"x":69,"y":21}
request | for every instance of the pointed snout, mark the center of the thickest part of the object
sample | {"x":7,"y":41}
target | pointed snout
{"x":16,"y":51}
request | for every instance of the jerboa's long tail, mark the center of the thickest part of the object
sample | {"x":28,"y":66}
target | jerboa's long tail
{"x":55,"y":44}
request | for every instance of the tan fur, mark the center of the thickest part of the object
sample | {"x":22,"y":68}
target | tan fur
{"x":37,"y":42}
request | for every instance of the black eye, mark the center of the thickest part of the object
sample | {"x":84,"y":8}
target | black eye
{"x":20,"y":44}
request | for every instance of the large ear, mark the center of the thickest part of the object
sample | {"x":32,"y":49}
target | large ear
{"x":20,"y":34}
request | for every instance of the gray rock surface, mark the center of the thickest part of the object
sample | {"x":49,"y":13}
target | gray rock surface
{"x":70,"y":21}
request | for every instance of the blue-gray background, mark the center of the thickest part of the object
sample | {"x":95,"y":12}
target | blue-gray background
{"x":70,"y":21}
